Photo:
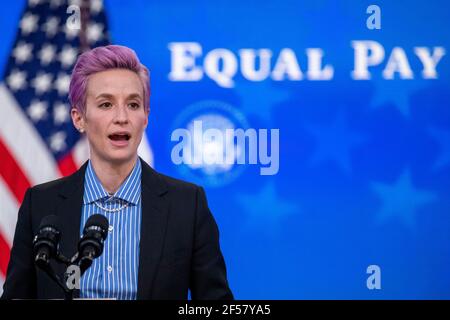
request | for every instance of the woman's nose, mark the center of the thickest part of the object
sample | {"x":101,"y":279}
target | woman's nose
{"x":121,"y":114}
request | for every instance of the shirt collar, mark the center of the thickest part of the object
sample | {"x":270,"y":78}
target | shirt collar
{"x":129,"y":190}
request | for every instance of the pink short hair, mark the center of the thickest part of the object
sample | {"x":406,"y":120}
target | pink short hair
{"x":102,"y":59}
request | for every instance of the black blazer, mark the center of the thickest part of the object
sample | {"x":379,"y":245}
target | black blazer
{"x":179,"y":246}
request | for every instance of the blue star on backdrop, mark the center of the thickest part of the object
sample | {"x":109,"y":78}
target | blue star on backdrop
{"x":401,"y":200}
{"x":443,"y":139}
{"x":334,"y":142}
{"x":266,"y":208}
{"x":260,"y":98}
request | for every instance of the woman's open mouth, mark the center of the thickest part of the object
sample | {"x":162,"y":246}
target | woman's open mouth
{"x":119,"y":139}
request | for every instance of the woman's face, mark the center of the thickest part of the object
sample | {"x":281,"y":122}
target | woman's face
{"x":115,"y":117}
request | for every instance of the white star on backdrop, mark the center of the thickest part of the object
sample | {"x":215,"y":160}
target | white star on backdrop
{"x":33,"y":3}
{"x":70,"y":32}
{"x":60,"y":113}
{"x":42,"y":82}
{"x":96,"y":6}
{"x":17,"y":80}
{"x":55,"y":3}
{"x":51,"y":26}
{"x":37,"y":110}
{"x":57,"y":141}
{"x":22,"y":52}
{"x":47,"y":54}
{"x":94,"y":32}
{"x":75,"y":2}
{"x":62,"y":84}
{"x":67,"y":56}
{"x":29,"y":23}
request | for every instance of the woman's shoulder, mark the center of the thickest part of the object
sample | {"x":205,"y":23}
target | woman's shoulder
{"x":50,"y":185}
{"x":60,"y":185}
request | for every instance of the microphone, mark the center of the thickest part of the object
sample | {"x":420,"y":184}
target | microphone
{"x":91,"y":243}
{"x":46,"y":247}
{"x":90,"y":247}
{"x":46,"y":241}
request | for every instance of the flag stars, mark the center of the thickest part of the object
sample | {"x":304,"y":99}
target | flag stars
{"x":67,"y":56}
{"x":22,"y":52}
{"x":50,"y":27}
{"x":96,"y":6}
{"x":70,"y":33}
{"x":37,"y":110}
{"x":62,"y":84}
{"x":34,"y":3}
{"x":40,"y":62}
{"x":47,"y":54}
{"x":16,"y":80}
{"x":75,"y":3}
{"x":42,"y":82}
{"x":57,"y":141}
{"x":29,"y":23}
{"x":60,"y":113}
{"x":94,"y":32}
{"x":55,"y":3}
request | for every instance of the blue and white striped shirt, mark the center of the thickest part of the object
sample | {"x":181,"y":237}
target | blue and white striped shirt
{"x":115,"y":273}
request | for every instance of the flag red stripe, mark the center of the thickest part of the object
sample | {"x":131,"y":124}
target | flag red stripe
{"x":13,"y":175}
{"x":67,"y":165}
{"x":18,"y":183}
{"x":4,"y":256}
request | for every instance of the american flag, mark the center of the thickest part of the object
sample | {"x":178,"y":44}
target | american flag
{"x":38,"y":142}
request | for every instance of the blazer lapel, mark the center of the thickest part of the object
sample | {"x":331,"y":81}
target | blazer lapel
{"x":69,"y":211}
{"x":153,"y":228}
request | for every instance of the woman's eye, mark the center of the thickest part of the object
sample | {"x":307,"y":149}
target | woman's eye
{"x":134,"y":105}
{"x":105,"y":105}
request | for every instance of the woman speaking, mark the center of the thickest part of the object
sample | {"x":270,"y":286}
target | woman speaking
{"x":162,"y":239}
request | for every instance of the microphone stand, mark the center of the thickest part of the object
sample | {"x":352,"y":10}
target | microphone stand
{"x":82,"y":260}
{"x":44,"y":263}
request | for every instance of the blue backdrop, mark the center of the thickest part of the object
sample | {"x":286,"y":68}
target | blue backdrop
{"x":364,"y":164}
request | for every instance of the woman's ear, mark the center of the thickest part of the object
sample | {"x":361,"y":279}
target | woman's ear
{"x":147,"y":113}
{"x":77,"y":119}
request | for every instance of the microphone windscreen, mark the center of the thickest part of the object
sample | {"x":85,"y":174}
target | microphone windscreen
{"x":97,"y":220}
{"x":50,"y":221}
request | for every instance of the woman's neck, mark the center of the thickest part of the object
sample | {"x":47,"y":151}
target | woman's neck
{"x":110,"y":174}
